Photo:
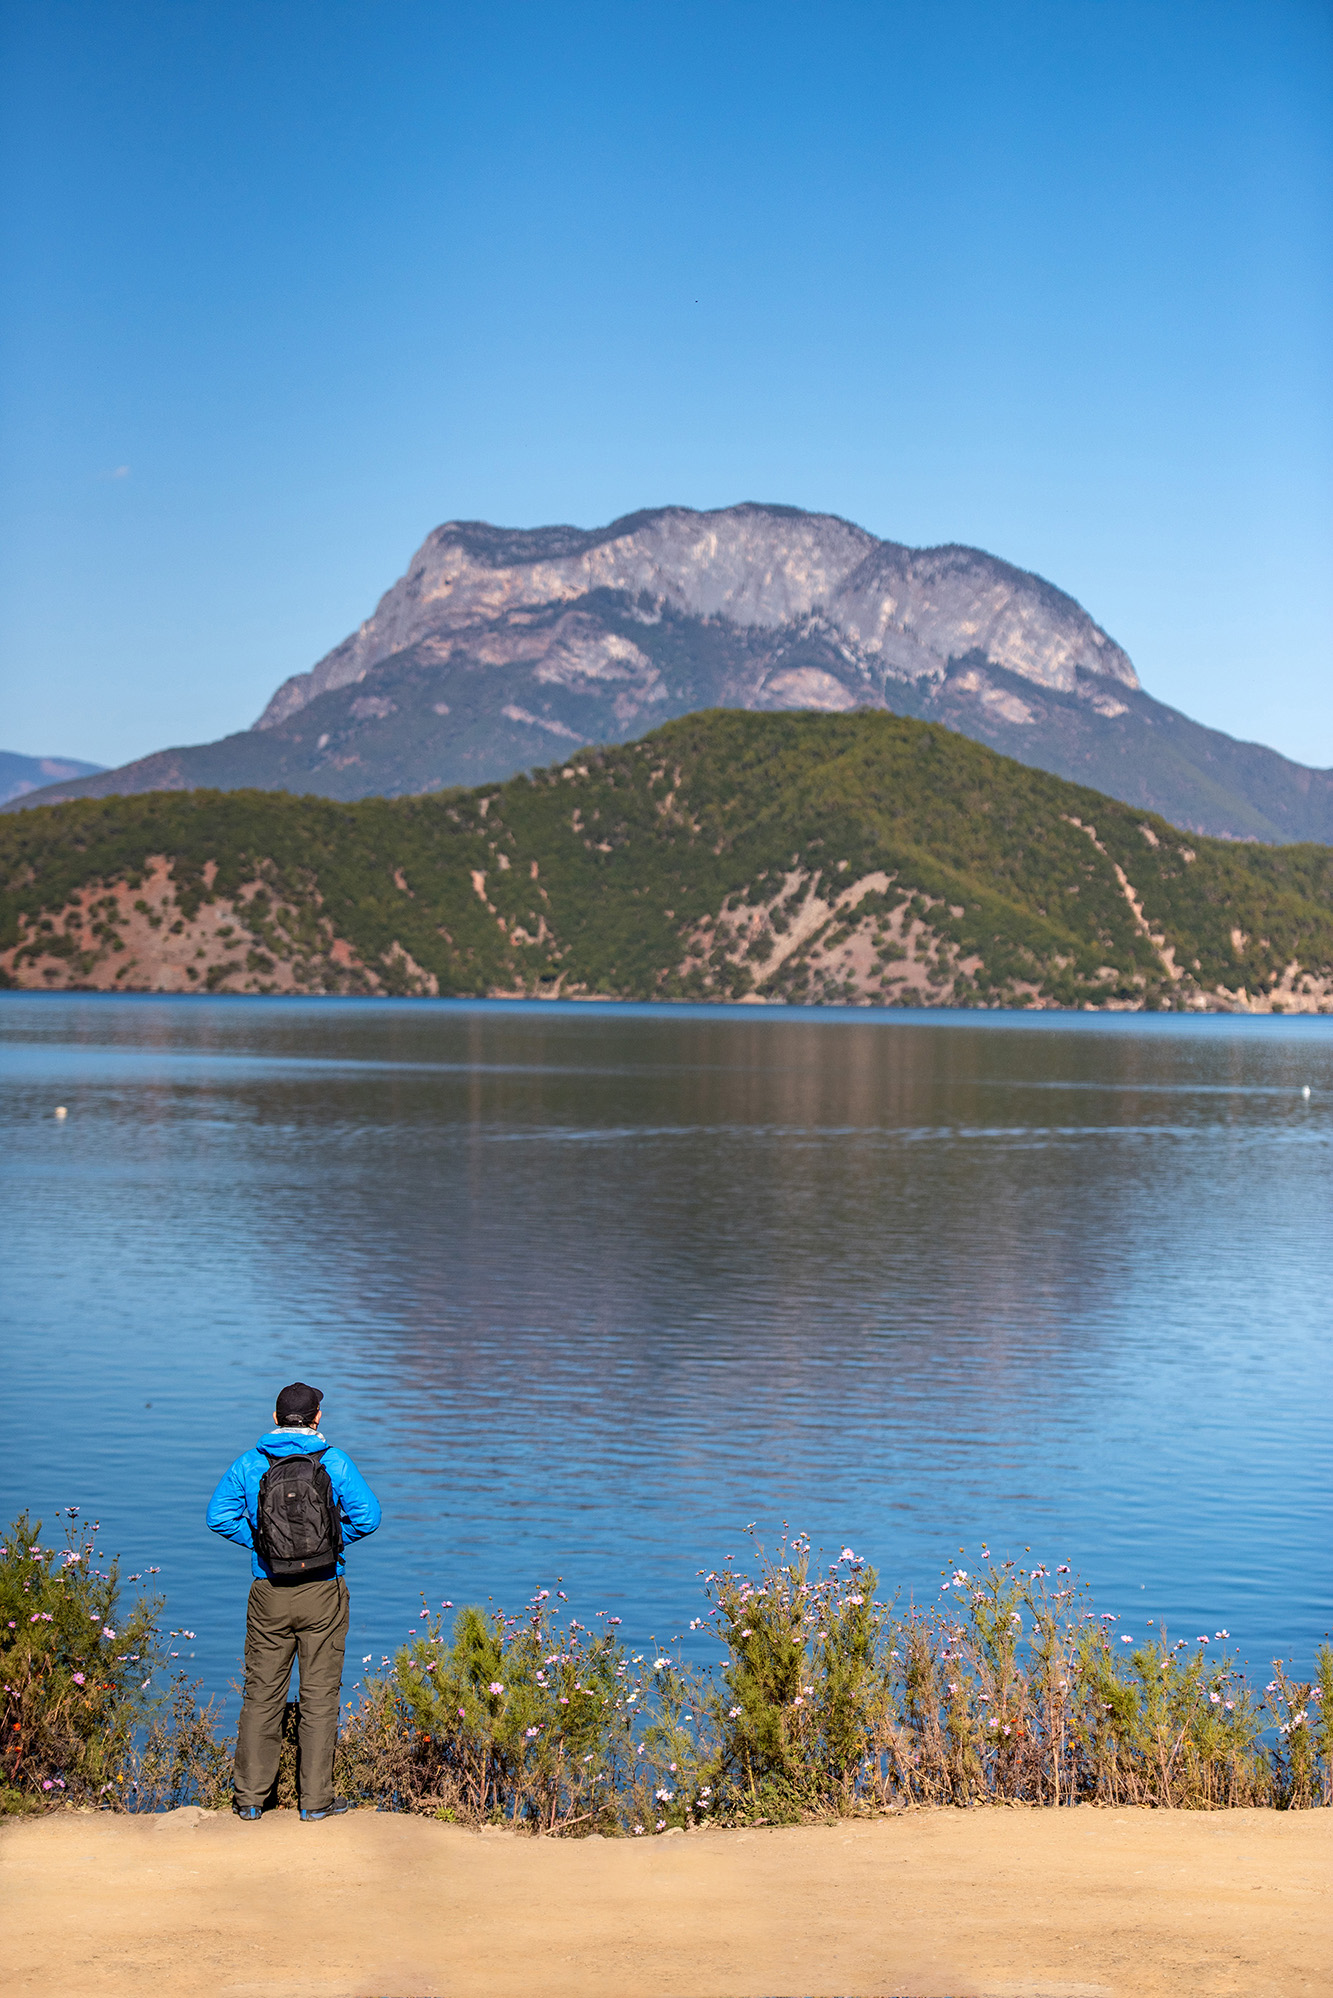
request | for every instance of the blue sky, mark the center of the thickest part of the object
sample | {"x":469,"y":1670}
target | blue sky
{"x":287,"y":284}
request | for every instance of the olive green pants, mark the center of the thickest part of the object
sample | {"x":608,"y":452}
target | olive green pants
{"x":305,"y":1621}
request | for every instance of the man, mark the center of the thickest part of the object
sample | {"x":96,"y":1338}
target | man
{"x":294,"y":1503}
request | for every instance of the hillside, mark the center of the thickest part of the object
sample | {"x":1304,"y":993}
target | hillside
{"x":500,"y":647}
{"x":841,"y":859}
{"x":20,"y":775}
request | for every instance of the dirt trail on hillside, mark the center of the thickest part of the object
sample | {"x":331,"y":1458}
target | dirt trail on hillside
{"x":1006,"y":1903}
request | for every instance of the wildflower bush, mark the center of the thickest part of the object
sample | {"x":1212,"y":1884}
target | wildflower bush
{"x":1013,"y":1688}
{"x":517,"y":1719}
{"x":825,"y":1701}
{"x":1010,"y":1689}
{"x":75,"y":1669}
{"x":783,"y":1731}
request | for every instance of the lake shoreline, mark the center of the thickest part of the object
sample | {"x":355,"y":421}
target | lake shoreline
{"x":1040,"y":1012}
{"x":993,"y":1903}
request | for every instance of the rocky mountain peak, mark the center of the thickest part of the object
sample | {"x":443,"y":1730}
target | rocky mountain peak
{"x":905,"y":611}
{"x":501,"y":647}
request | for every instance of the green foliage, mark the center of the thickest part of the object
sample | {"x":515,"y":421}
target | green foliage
{"x":1304,"y":1755}
{"x":800,"y":1693}
{"x":620,"y":873}
{"x":1017,"y":1690}
{"x":518,"y":1720}
{"x":826,"y":1702}
{"x":75,"y":1671}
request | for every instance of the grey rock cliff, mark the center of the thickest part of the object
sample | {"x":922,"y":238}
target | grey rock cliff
{"x":503,"y":648}
{"x":904,"y":611}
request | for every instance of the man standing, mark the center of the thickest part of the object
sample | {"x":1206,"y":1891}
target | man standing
{"x":294,"y":1503}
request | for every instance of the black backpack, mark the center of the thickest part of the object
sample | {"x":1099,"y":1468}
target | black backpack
{"x":296,"y":1525}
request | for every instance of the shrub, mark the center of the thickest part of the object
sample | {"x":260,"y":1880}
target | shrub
{"x":800,"y":1692}
{"x":182,"y":1758}
{"x":76,"y":1671}
{"x":1011,"y":1688}
{"x":517,"y":1720}
{"x":1014,"y":1690}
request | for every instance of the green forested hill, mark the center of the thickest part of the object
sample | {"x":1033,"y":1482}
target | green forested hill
{"x":857,"y":858}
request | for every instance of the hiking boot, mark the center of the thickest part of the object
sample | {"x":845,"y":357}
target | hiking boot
{"x":333,"y":1810}
{"x":250,"y":1812}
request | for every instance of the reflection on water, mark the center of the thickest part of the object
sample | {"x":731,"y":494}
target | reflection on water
{"x":588,"y":1289}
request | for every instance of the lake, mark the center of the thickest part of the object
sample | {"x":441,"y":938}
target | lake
{"x":589,"y":1289}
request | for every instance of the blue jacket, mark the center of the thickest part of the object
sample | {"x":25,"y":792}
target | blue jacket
{"x":233,"y":1507}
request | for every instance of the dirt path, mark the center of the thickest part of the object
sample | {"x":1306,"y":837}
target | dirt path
{"x":1010,"y":1904}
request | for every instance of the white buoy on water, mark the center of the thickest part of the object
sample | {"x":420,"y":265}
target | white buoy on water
{"x":1306,"y":1092}
{"x":61,"y":1111}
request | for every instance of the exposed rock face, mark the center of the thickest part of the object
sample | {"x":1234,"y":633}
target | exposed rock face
{"x":500,"y":648}
{"x":900,"y":613}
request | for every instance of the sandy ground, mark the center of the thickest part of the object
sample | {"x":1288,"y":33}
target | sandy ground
{"x":1005,"y":1903}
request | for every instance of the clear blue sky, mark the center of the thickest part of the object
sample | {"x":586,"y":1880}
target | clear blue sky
{"x":289,"y":283}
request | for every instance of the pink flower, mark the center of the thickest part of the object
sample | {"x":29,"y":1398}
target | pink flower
{"x":496,"y":1686}
{"x":78,"y":1679}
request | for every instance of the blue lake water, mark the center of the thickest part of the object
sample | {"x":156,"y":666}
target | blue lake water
{"x":590,"y":1288}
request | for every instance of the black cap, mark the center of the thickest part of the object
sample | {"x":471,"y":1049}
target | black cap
{"x":297,"y":1405}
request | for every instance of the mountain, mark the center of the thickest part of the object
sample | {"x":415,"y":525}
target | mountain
{"x":841,"y":859}
{"x":499,"y":645}
{"x":21,"y":775}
